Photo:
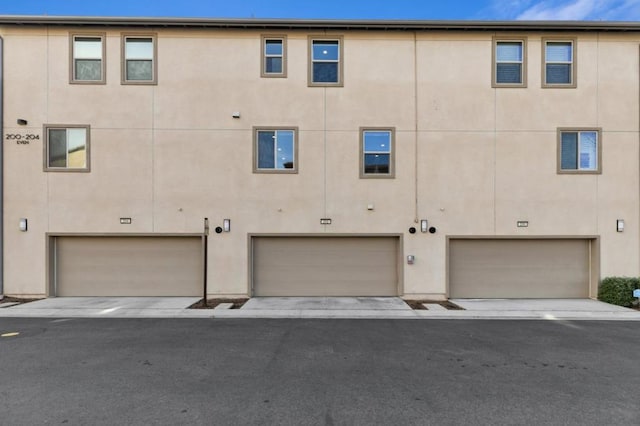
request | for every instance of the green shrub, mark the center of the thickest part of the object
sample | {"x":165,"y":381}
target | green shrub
{"x":618,"y":290}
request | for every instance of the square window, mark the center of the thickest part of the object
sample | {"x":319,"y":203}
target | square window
{"x":87,"y":59}
{"x":325,"y":66}
{"x":274,"y":56}
{"x":139,"y":59}
{"x":66,"y":148}
{"x":579,"y":151}
{"x":559,"y":63}
{"x":509,"y":65}
{"x":275,"y":150}
{"x":377,"y":153}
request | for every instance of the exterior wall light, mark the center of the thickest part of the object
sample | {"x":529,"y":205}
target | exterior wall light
{"x":23,"y":224}
{"x":620,"y":225}
{"x":226,"y":225}
{"x":424,"y":225}
{"x":22,"y":122}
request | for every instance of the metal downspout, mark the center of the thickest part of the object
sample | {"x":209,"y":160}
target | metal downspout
{"x":1,"y":168}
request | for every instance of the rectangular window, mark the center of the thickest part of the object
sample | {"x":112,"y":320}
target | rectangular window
{"x":579,"y":151}
{"x":275,"y":150}
{"x":559,"y":63}
{"x":274,"y":56}
{"x":325,"y":67}
{"x":66,"y":148}
{"x":87,"y":59}
{"x":509,"y":65}
{"x":139,"y":59}
{"x":376,"y":152}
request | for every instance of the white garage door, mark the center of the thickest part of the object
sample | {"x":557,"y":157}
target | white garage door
{"x":523,"y":268}
{"x":128,"y":266}
{"x":325,"y":266}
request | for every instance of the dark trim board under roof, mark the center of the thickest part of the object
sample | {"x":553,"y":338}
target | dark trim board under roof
{"x":321,"y":24}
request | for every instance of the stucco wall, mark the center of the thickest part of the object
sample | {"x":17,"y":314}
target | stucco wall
{"x":470,"y":158}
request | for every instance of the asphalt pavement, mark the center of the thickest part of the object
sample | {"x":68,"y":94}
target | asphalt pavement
{"x":78,"y":371}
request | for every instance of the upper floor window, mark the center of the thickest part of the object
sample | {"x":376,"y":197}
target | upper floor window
{"x":88,"y":58}
{"x":509,"y":65}
{"x":139,"y":59}
{"x":66,"y":148}
{"x":275,"y":150}
{"x":579,"y":151}
{"x":559,"y":63}
{"x":274,"y":56}
{"x":325,"y":55}
{"x":377,"y":152}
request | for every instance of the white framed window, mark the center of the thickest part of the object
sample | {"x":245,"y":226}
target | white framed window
{"x":87,"y":58}
{"x":559,"y":66}
{"x":66,"y":148}
{"x":579,"y":150}
{"x":509,"y":64}
{"x":139,"y":53}
{"x":275,"y":150}
{"x":325,"y":61}
{"x":377,"y":148}
{"x":274,"y":56}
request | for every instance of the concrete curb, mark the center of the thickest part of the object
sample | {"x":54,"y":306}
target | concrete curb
{"x":321,"y":314}
{"x":321,"y":308}
{"x":435,"y":315}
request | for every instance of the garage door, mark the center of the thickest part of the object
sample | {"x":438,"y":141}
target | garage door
{"x":325,"y":266}
{"x":550,"y":268}
{"x":128,"y":266}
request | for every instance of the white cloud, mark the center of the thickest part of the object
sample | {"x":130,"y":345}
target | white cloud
{"x":627,"y":10}
{"x":511,"y":7}
{"x":566,"y":10}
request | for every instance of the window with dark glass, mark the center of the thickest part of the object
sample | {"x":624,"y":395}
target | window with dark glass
{"x":509,"y":65}
{"x":274,"y":56}
{"x":579,"y":150}
{"x":275,"y":150}
{"x":377,"y":153}
{"x":67,"y":148}
{"x":325,"y":68}
{"x":139,"y":59}
{"x":87,"y":59}
{"x":559,"y":63}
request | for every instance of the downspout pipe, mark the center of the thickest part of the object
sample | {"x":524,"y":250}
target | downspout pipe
{"x":206,"y":260}
{"x":1,"y":168}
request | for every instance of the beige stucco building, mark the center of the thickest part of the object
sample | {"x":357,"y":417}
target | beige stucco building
{"x":419,"y":159}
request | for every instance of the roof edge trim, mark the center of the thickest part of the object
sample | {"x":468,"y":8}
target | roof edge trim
{"x":400,"y":25}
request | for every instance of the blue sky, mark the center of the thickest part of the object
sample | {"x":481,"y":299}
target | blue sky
{"x":606,"y":10}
